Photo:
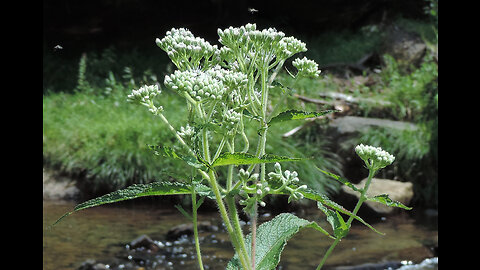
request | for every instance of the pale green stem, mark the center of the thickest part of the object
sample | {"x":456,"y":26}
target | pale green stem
{"x":219,"y":149}
{"x":244,"y":136}
{"x":206,"y":151}
{"x":238,"y":229}
{"x":195,"y":229}
{"x":260,"y":153}
{"x":194,"y":199}
{"x":221,"y":206}
{"x":362,"y":198}
{"x":232,"y":206}
{"x":190,"y":151}
{"x":243,"y":256}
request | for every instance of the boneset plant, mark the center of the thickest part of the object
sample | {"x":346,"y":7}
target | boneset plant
{"x":226,"y":89}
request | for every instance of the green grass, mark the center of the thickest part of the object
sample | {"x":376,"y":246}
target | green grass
{"x":104,"y":139}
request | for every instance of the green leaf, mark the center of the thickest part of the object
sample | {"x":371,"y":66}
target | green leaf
{"x":139,"y":190}
{"x":341,"y":180}
{"x":184,"y":213}
{"x":166,"y":151}
{"x":245,"y":159}
{"x":315,"y":196}
{"x":339,"y":226}
{"x":384,"y":199}
{"x":272,"y":236}
{"x":296,"y":115}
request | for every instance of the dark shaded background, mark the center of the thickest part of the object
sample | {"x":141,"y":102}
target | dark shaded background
{"x":79,"y":25}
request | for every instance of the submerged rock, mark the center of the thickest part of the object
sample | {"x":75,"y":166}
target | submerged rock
{"x":187,"y":229}
{"x":352,"y":124}
{"x":143,"y":241}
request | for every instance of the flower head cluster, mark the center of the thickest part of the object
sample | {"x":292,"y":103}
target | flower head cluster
{"x":144,"y":96}
{"x":186,"y":132}
{"x":287,"y":179}
{"x":259,"y":191}
{"x":289,"y":46}
{"x":185,"y":49}
{"x":235,"y":37}
{"x":199,"y":85}
{"x":230,"y":120}
{"x":306,"y":67}
{"x":234,"y":80}
{"x":374,"y":157}
{"x":261,"y":45}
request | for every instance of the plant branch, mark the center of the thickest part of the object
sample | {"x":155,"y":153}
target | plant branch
{"x":362,"y":198}
{"x":195,"y":228}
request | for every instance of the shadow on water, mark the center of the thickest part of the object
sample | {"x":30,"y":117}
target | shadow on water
{"x":102,"y":234}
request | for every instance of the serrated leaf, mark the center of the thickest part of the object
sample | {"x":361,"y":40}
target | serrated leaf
{"x":384,"y":199}
{"x":166,"y":151}
{"x":315,"y":196}
{"x":339,"y":226}
{"x":139,"y":190}
{"x":272,"y":236}
{"x":246,"y":159}
{"x":341,"y":180}
{"x":297,"y":115}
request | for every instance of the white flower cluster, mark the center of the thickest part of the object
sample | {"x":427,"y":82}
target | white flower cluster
{"x":260,"y":190}
{"x":289,"y":46}
{"x":230,"y":120}
{"x":182,"y":46}
{"x":186,"y":132}
{"x":269,"y":42}
{"x":277,"y":175}
{"x":199,"y":85}
{"x":287,"y":178}
{"x":234,"y":80}
{"x":379,"y":158}
{"x":144,"y":94}
{"x":144,"y":97}
{"x":306,"y":67}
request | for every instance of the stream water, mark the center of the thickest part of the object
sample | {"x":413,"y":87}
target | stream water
{"x":103,"y":234}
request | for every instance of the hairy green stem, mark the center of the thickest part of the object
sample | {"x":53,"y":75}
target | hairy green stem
{"x":243,"y":256}
{"x":362,"y":198}
{"x":195,"y":229}
{"x":190,"y":151}
{"x":260,"y":153}
{"x":233,"y":232}
{"x":232,"y":208}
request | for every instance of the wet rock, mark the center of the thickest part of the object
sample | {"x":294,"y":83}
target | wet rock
{"x":145,"y":242}
{"x":352,"y":124}
{"x":92,"y":265}
{"x":398,"y":191}
{"x":56,"y":187}
{"x":187,"y":229}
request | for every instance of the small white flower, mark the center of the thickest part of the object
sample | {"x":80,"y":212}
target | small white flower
{"x":144,"y":94}
{"x":186,"y":132}
{"x":375,"y":156}
{"x":306,"y":67}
